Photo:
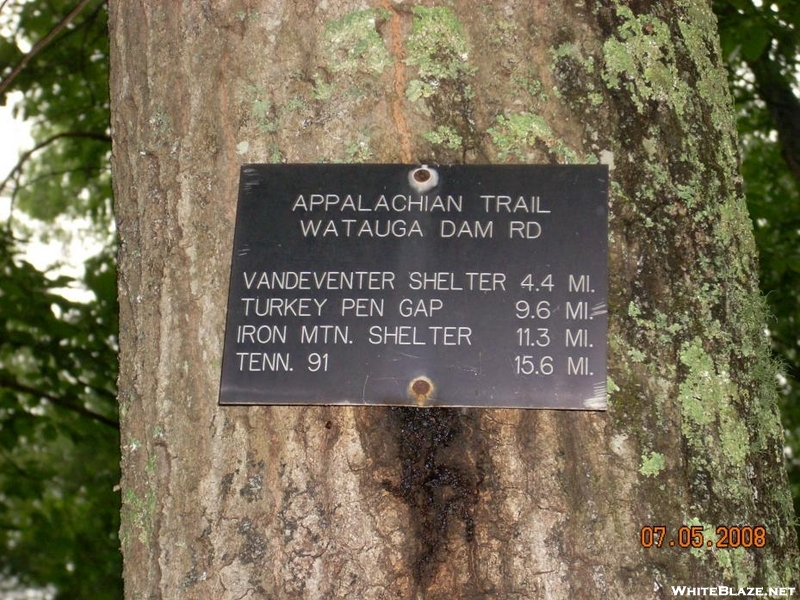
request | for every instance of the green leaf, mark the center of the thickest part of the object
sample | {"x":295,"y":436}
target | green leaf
{"x":755,"y":37}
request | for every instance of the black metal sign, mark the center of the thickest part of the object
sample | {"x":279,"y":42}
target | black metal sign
{"x":458,"y":285}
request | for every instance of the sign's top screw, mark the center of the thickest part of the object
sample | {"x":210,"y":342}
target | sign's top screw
{"x":423,"y":178}
{"x":421,"y":175}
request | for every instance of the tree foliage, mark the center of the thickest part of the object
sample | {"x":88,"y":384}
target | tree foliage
{"x":58,"y":430}
{"x":65,"y":86}
{"x":59,"y":438}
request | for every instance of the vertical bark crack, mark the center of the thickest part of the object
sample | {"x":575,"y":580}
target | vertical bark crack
{"x":398,"y":52}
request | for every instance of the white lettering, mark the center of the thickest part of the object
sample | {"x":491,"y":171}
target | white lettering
{"x":325,"y":334}
{"x":283,"y":307}
{"x":263,"y":361}
{"x":471,"y":229}
{"x":323,"y":280}
{"x":397,"y":203}
{"x":445,"y":281}
{"x":403,"y":335}
{"x":362,"y":307}
{"x":452,"y":336}
{"x":528,"y":230}
{"x":507,"y":204}
{"x":419,"y":308}
{"x":264,"y":334}
{"x":487,"y":282}
{"x":398,"y":228}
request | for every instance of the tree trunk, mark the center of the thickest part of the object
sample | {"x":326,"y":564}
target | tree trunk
{"x":380,"y":503}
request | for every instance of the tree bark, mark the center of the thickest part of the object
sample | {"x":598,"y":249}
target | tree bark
{"x":378,"y":503}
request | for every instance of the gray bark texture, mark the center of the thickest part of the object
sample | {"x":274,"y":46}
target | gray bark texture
{"x":381,"y":503}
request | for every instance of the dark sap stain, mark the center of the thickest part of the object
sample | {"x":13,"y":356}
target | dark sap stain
{"x":440,"y":478}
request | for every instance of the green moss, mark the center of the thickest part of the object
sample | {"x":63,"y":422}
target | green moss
{"x":518,"y":134}
{"x":566,"y":49}
{"x":574,"y":74}
{"x":438,"y":48}
{"x":709,"y":534}
{"x":572,"y":51}
{"x":295,"y":104}
{"x":322,"y":89}
{"x":247,"y":15}
{"x":502,"y":31}
{"x":735,"y":564}
{"x":528,"y":82}
{"x":352,"y":44}
{"x":652,"y":465}
{"x":642,"y":61}
{"x":264,"y":116}
{"x":445,"y":136}
{"x":358,"y":151}
{"x":708,"y":397}
{"x":138,"y":515}
{"x":636,"y":355}
{"x":417,"y":90}
{"x":275,"y":156}
{"x":702,"y":392}
{"x":161,"y":125}
{"x":140,"y":512}
{"x":353,"y":57}
{"x":699,"y":30}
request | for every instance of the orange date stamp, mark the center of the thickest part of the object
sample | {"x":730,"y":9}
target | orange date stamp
{"x":696,"y":536}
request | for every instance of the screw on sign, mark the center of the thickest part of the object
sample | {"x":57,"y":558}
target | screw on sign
{"x":421,"y":388}
{"x":423,"y":179}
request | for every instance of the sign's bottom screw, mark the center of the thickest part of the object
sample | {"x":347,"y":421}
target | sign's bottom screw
{"x":421,"y":389}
